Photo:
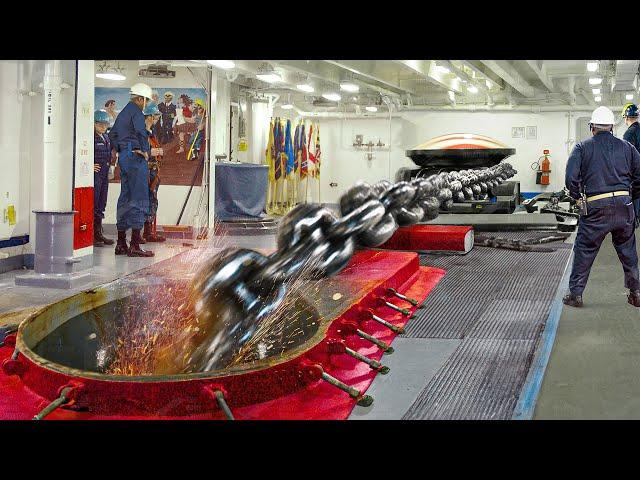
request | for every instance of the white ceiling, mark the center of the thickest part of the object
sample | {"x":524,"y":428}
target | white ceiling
{"x":410,"y":84}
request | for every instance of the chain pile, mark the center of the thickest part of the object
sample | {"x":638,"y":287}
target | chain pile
{"x":240,"y":288}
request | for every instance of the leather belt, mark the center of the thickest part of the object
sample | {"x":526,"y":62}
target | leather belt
{"x":619,"y":193}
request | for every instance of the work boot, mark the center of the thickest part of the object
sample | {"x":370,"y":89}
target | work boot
{"x":572,"y":300}
{"x":97,"y":233}
{"x":634,"y":298}
{"x":151,"y":235}
{"x":134,"y":249}
{"x":147,"y":231}
{"x":97,"y":241}
{"x":121,"y":246}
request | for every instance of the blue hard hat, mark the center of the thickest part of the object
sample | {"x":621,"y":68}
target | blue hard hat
{"x":151,"y":109}
{"x":100,"y":116}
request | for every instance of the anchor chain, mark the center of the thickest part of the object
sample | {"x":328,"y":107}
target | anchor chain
{"x":239,"y":288}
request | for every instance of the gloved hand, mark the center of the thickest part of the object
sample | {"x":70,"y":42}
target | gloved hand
{"x":636,"y":207}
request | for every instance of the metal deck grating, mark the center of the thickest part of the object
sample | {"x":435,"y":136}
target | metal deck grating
{"x":497,"y":301}
{"x":481,"y":380}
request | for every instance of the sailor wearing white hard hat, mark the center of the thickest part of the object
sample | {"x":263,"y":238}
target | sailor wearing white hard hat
{"x":604,"y":172}
{"x":130,"y":137}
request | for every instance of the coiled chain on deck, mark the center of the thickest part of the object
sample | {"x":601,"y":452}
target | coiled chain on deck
{"x":239,"y":288}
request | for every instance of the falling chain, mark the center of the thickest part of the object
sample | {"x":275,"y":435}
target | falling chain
{"x":239,"y":288}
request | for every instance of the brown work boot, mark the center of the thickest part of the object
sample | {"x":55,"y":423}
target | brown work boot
{"x":572,"y":300}
{"x":147,"y":231}
{"x":634,"y":298}
{"x":152,"y":234}
{"x":134,"y":249}
{"x":121,"y":246}
{"x":98,"y":235}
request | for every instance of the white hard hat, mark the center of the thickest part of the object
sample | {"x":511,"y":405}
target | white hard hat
{"x":602,"y":116}
{"x":141,"y":89}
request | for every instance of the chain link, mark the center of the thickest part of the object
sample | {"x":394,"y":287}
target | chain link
{"x":239,"y":288}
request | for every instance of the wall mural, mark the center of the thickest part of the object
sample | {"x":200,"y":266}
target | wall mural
{"x":182,"y":112}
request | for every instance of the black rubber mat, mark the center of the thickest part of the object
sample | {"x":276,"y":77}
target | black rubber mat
{"x":481,"y":380}
{"x":445,"y":317}
{"x":511,"y":319}
{"x":497,"y":302}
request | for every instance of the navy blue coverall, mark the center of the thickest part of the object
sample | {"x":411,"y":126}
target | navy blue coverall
{"x":101,"y":156}
{"x":632,"y":135}
{"x":129,"y":133}
{"x":602,"y":164}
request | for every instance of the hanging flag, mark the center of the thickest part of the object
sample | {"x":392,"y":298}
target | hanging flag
{"x":311,"y":151}
{"x":277,"y":133}
{"x":296,"y":148}
{"x":270,"y":154}
{"x":318,"y":152}
{"x":304,"y":166}
{"x":288,"y":149}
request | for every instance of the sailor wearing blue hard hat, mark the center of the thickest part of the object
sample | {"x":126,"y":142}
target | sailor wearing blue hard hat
{"x":101,"y":165}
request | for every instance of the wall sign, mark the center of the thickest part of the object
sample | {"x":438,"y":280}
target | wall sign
{"x":532,"y":133}
{"x":517,"y":132}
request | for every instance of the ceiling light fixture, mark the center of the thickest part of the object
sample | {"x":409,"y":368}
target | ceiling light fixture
{"x":305,"y":87}
{"x":629,"y":96}
{"x":111,"y":76}
{"x":224,"y":64}
{"x":287,"y":106}
{"x":334,"y":97}
{"x":349,"y":87}
{"x":598,"y":98}
{"x":269,"y":77}
{"x":472,"y":89}
{"x":595,"y":91}
{"x":592,"y":66}
{"x":371,"y":108}
{"x":595,"y":80}
{"x":442,"y":69}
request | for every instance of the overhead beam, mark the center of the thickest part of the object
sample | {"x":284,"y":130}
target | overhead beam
{"x":427,"y":68}
{"x":505,"y":70}
{"x":370,"y":70}
{"x":540,"y":70}
{"x":325,"y":72}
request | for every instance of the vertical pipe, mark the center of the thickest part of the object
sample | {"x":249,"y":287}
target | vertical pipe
{"x":55,"y":194}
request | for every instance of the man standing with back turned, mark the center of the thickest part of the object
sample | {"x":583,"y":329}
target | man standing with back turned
{"x":607,"y":171}
{"x":130,"y":137}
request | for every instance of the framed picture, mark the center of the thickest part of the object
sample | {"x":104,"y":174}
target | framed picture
{"x":517,"y":132}
{"x":532,"y":133}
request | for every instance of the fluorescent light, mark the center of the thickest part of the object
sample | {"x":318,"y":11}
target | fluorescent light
{"x":225,"y":64}
{"x":592,"y":66}
{"x":442,"y":69}
{"x":595,"y":80}
{"x":472,"y":89}
{"x":286,"y":106}
{"x":334,"y":97}
{"x":598,"y":98}
{"x":111,"y":76}
{"x":371,"y":109}
{"x":270,"y":77}
{"x":596,"y":91}
{"x":349,"y":87}
{"x":305,"y":87}
{"x":629,"y":96}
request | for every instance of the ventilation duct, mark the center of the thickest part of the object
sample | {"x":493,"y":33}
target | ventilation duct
{"x":626,"y":78}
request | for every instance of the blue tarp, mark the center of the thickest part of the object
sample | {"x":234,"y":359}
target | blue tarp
{"x":241,"y":190}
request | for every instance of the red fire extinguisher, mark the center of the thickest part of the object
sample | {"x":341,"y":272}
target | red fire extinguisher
{"x":543,"y":169}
